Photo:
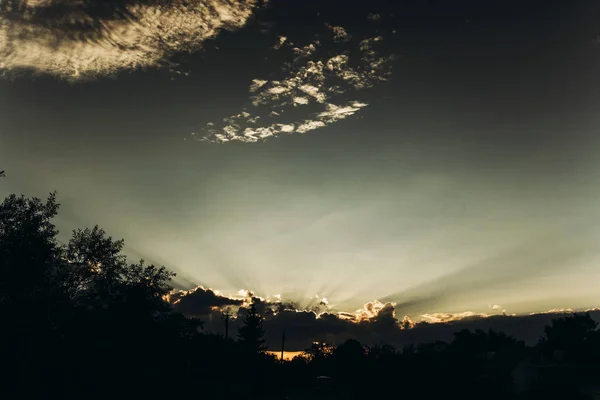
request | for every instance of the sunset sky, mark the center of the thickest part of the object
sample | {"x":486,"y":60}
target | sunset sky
{"x":438,"y":156}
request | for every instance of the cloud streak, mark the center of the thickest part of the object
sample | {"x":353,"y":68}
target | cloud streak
{"x":84,"y":39}
{"x":540,"y":257}
{"x":318,"y":87}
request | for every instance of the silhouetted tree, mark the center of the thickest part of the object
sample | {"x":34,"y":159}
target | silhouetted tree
{"x":569,"y":338}
{"x":79,"y":321}
{"x":318,"y":351}
{"x":32,"y":303}
{"x":349,"y":362}
{"x":251,"y":334}
{"x":72,"y":310}
{"x":29,"y":252}
{"x":350,"y":352}
{"x":101,"y":277}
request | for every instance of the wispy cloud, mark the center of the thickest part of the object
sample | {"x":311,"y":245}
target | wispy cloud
{"x":318,"y":87}
{"x":84,"y":39}
{"x":450,"y":317}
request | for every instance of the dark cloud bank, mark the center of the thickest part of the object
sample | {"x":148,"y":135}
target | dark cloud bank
{"x":376,"y":323}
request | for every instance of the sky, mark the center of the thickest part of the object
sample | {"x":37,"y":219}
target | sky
{"x":365,"y":159}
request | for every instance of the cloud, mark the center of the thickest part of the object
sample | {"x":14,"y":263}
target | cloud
{"x":318,"y":86}
{"x":407,"y":323}
{"x":339,"y":34}
{"x":375,"y":322}
{"x":200,"y":302}
{"x":557,"y":311}
{"x":301,"y":100}
{"x":303,"y":328}
{"x":280,"y":41}
{"x":372,"y":309}
{"x":449,"y":317}
{"x":306,"y":50}
{"x":257,"y":84}
{"x":85,"y":39}
{"x":335,"y":113}
{"x":309,"y":125}
{"x":497,"y":308}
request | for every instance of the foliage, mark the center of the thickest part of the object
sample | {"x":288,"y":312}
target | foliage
{"x":569,"y":338}
{"x":80,"y":321}
{"x":318,"y":351}
{"x":252,"y":334}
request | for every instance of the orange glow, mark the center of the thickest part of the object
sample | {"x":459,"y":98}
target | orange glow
{"x":287,"y":355}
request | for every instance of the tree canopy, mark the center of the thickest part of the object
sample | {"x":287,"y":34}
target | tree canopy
{"x":80,"y":321}
{"x":252,"y":334}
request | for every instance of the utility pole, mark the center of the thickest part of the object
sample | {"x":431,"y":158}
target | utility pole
{"x":282,"y":344}
{"x":226,"y":317}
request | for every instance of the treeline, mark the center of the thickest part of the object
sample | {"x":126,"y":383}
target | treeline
{"x":80,"y":322}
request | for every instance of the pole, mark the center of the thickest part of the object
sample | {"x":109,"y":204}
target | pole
{"x":282,"y":344}
{"x":226,"y":316}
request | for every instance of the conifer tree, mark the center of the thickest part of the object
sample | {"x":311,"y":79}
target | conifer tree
{"x":252,"y":334}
